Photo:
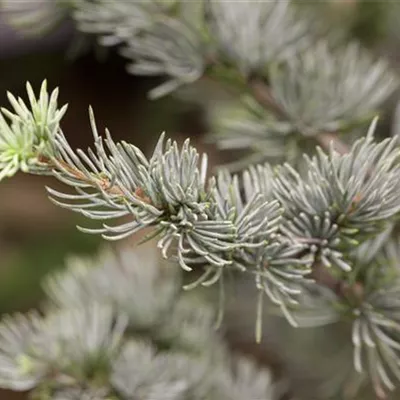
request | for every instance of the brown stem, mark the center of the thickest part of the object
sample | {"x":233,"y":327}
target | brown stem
{"x":353,"y":292}
{"x":323,"y":277}
{"x":104,"y":183}
{"x":326,"y":138}
{"x":262,"y":94}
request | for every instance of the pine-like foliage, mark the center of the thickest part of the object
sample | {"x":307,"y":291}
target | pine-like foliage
{"x":312,"y":230}
{"x":120,"y":328}
{"x":294,"y":88}
{"x":282,"y":227}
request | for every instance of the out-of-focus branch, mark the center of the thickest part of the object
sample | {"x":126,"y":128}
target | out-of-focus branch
{"x":262,"y":94}
{"x":326,"y":138}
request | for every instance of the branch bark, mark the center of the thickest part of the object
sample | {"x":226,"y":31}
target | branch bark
{"x":104,"y":183}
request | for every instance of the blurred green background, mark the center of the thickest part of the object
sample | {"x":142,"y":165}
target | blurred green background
{"x":35,"y":235}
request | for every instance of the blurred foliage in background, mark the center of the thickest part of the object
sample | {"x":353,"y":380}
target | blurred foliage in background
{"x":35,"y":239}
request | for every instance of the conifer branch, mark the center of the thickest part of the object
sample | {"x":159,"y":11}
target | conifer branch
{"x":112,"y":329}
{"x":266,"y":230}
{"x":303,"y":237}
{"x":263,"y":95}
